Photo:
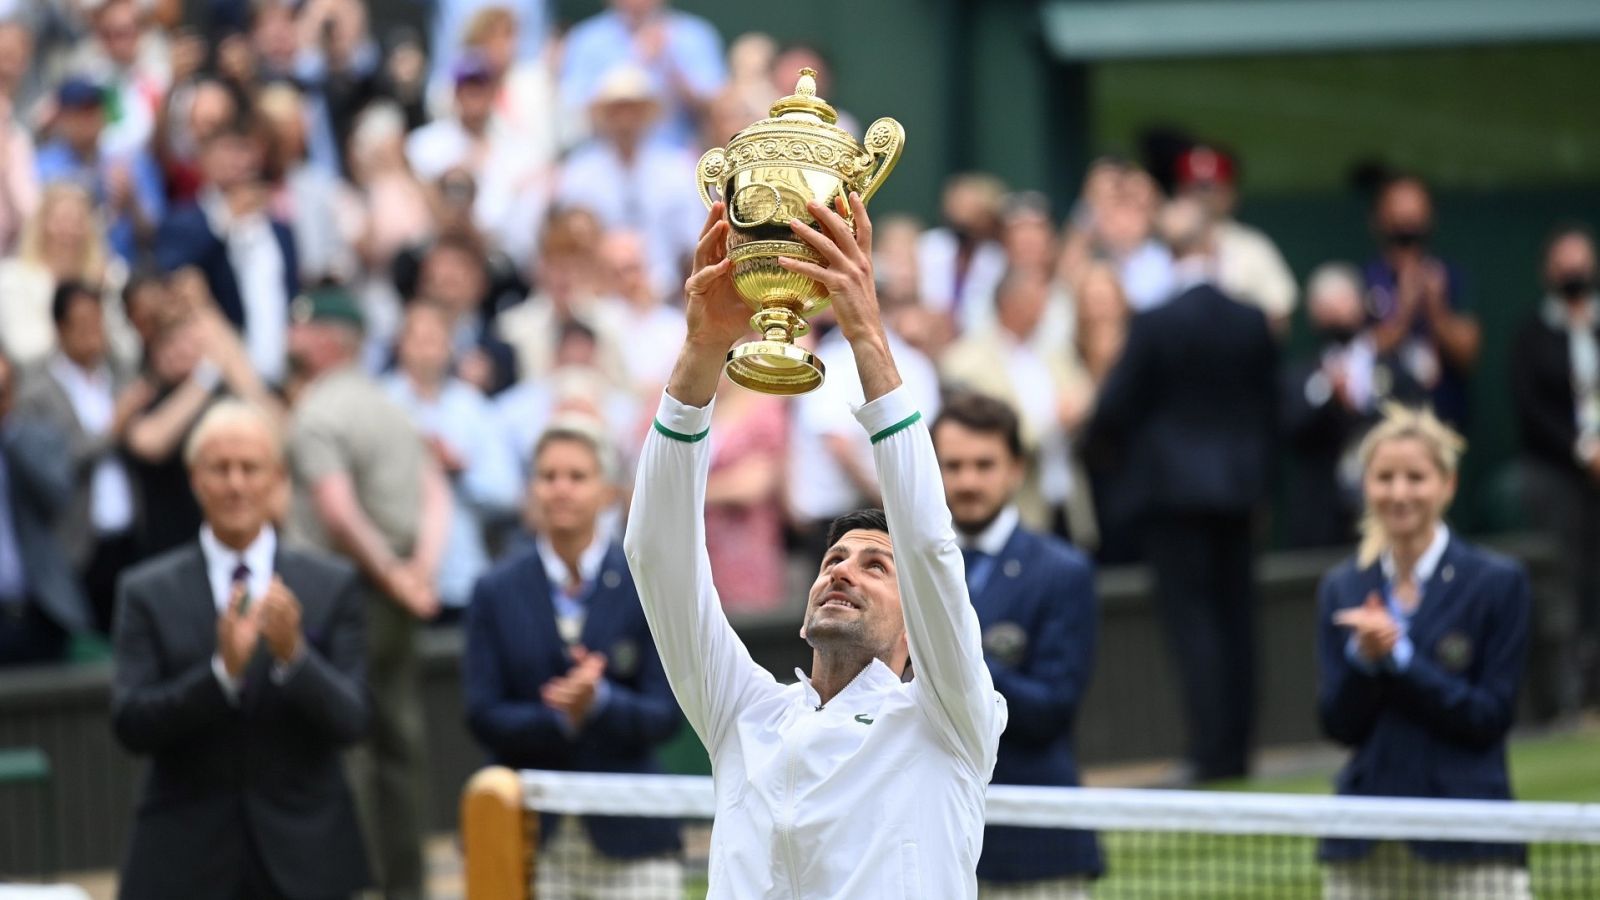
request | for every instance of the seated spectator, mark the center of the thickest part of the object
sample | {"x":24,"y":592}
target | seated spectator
{"x":1330,"y":399}
{"x":630,"y":182}
{"x":455,"y":277}
{"x":460,"y":20}
{"x":461,"y":431}
{"x":1114,"y":223}
{"x":19,"y":173}
{"x":194,"y":111}
{"x":575,"y":384}
{"x":249,"y":259}
{"x":961,"y":261}
{"x":1051,"y":397}
{"x":679,"y":52}
{"x":1249,"y":266}
{"x":655,"y":327}
{"x":126,"y":184}
{"x":1421,"y":641}
{"x":131,"y":60}
{"x":1100,"y":331}
{"x":1555,"y":388}
{"x":561,"y":673}
{"x":524,"y":86}
{"x":62,"y":242}
{"x":41,"y":602}
{"x":744,"y":500}
{"x":240,"y":673}
{"x":1415,"y":300}
{"x":318,"y":206}
{"x":80,"y":394}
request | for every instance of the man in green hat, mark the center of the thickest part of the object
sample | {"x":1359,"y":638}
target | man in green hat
{"x":366,"y":487}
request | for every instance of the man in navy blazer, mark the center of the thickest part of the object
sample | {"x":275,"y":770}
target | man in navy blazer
{"x":561,"y":673}
{"x":1184,"y":426}
{"x":1035,"y":599}
{"x":248,"y":259}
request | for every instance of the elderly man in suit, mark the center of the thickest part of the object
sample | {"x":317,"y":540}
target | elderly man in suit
{"x":561,"y":673}
{"x":1035,"y":599}
{"x":239,"y":672}
{"x":1186,"y":421}
{"x":77,"y":391}
{"x":40,"y":600}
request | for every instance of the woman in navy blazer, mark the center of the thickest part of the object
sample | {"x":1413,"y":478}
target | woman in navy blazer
{"x":1421,"y":644}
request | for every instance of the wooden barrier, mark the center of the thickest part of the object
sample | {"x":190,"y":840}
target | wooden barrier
{"x":497,"y":836}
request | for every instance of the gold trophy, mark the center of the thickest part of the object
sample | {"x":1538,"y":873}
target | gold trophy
{"x":767,"y":174}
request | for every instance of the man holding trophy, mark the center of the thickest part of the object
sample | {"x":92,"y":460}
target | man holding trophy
{"x":859,"y":781}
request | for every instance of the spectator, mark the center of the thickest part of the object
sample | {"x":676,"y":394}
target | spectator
{"x":524,"y":87}
{"x":194,"y":111}
{"x":455,"y":277}
{"x":131,"y":61}
{"x":1036,"y":601}
{"x":41,"y":602}
{"x":62,"y":242}
{"x":1329,"y":400}
{"x":126,"y":184}
{"x":1099,"y":334}
{"x":395,"y":215}
{"x":319,"y":207}
{"x":569,"y":291}
{"x":1114,"y":223}
{"x":239,"y":672}
{"x":829,"y":454}
{"x":655,"y":328}
{"x":1249,"y":266}
{"x":680,"y":53}
{"x":961,"y":261}
{"x":365,"y":486}
{"x":19,"y":174}
{"x":460,"y":430}
{"x":1415,"y":300}
{"x":17,"y":70}
{"x":194,"y":358}
{"x":1051,"y":397}
{"x":1555,"y":387}
{"x":561,"y":673}
{"x":1187,"y":415}
{"x":629,"y":182}
{"x":340,"y":67}
{"x":79,"y":393}
{"x":752,"y":80}
{"x":744,"y":500}
{"x":248,"y":258}
{"x":786,"y":66}
{"x":1420,"y":649}
{"x":453,"y":26}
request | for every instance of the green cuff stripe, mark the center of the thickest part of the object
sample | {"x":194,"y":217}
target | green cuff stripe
{"x":897,"y":427}
{"x":680,"y":436}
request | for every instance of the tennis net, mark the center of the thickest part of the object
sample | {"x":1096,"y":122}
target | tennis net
{"x":1185,"y":845}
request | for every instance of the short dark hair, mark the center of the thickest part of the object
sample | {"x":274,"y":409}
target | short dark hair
{"x":67,"y":293}
{"x":985,"y":415}
{"x":860,"y":520}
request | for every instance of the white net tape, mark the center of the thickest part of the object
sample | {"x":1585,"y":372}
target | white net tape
{"x":1109,"y":809}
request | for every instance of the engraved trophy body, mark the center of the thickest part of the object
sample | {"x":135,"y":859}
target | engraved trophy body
{"x":767,"y":174}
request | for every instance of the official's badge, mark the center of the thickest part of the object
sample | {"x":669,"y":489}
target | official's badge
{"x":1012,"y":568}
{"x":1454,"y":652}
{"x":611,"y":579}
{"x":624,"y":658}
{"x":1006,"y":643}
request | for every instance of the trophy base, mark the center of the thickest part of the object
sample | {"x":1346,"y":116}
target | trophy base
{"x":774,"y":367}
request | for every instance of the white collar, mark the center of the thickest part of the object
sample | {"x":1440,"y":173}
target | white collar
{"x":221,"y":560}
{"x":589,"y":562}
{"x":70,"y":373}
{"x":993,"y":539}
{"x":1191,"y":271}
{"x":1427,"y":563}
{"x":877,"y":675}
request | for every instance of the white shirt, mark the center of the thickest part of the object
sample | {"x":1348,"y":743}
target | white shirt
{"x":993,"y":539}
{"x":1039,"y":403}
{"x":93,"y":399}
{"x":822,"y":488}
{"x":221,"y":560}
{"x":937,"y":250}
{"x":258,"y":266}
{"x":880,"y":792}
{"x":653,"y":195}
{"x":570,"y":608}
{"x":1426,"y":563}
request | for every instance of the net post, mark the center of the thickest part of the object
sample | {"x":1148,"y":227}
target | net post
{"x":498,"y":838}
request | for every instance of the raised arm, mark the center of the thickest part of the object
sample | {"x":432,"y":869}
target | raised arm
{"x":952,"y":681}
{"x":710,"y":670}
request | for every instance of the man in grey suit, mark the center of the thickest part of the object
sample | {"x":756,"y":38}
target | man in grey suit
{"x":239,"y":670}
{"x":40,"y":600}
{"x":77,"y":390}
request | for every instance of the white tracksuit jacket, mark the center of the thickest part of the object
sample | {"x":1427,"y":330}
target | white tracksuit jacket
{"x":877,"y":796}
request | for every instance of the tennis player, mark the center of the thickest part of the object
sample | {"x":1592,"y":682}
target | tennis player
{"x":859,"y":781}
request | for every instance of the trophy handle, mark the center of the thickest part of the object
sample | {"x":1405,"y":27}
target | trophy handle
{"x":709,"y":173}
{"x":884,"y":141}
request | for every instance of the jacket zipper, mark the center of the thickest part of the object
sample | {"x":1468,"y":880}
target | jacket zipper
{"x":788,"y":826}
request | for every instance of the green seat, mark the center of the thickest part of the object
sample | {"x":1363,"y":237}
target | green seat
{"x":29,"y":767}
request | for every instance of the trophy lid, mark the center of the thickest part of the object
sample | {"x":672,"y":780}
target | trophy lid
{"x":805,"y":100}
